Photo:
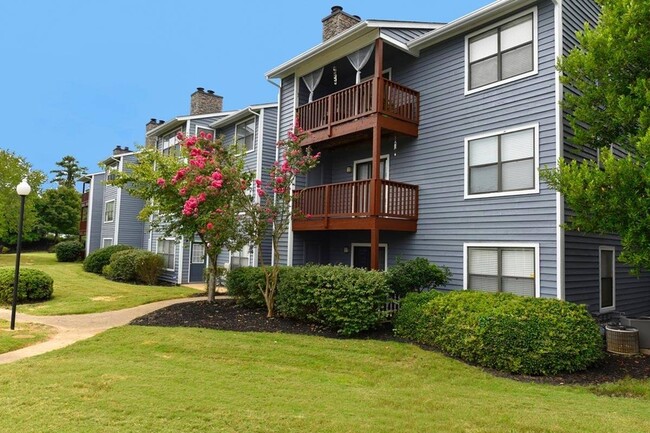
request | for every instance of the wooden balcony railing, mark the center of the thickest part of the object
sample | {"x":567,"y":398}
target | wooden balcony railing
{"x":353,"y":200}
{"x":84,"y":198}
{"x":373,"y":96}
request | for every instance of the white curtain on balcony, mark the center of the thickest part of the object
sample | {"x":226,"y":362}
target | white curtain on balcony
{"x":358,"y":59}
{"x":311,"y":80}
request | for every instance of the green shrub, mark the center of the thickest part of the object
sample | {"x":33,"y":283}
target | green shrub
{"x":96,"y":260}
{"x":4,"y":250}
{"x":69,"y":251}
{"x":33,"y":285}
{"x":502,"y":331}
{"x":121,"y":266}
{"x":245,"y":284}
{"x":416,"y":275}
{"x":148,"y":267}
{"x":348,"y":300}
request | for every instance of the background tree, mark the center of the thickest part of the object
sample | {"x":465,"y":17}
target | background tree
{"x":203,"y":196}
{"x":59,"y":211}
{"x":69,"y":172}
{"x":610,"y":72}
{"x":13,"y":169}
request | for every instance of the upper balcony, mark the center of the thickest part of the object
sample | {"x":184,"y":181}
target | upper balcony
{"x":84,"y":198}
{"x":376,"y":102}
{"x":358,"y":205}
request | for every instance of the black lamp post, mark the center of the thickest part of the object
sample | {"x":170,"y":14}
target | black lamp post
{"x":23,"y":189}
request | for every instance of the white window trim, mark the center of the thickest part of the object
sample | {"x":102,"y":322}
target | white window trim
{"x":516,"y":77}
{"x":600,"y":288}
{"x":104,"y":242}
{"x":362,"y":161}
{"x":173,"y":250}
{"x":388,"y":71}
{"x":205,"y":128}
{"x":534,"y":190}
{"x":535,"y":246}
{"x":355,"y":244}
{"x":247,"y":151}
{"x":165,"y":146}
{"x":251,"y":252}
{"x":205,"y":256}
{"x":104,"y":216}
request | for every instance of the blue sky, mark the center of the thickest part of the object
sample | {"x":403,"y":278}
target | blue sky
{"x":80,"y":77}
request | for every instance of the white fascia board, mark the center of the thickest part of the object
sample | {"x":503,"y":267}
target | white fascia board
{"x":404,"y":24}
{"x":238,"y":115}
{"x":181,"y":120}
{"x":473,"y":19}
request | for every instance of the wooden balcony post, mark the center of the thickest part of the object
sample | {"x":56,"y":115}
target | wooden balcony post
{"x":328,"y":189}
{"x":374,"y":249}
{"x":330,"y":114}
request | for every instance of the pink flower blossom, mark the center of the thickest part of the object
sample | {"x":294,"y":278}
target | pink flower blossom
{"x":217,"y":175}
{"x":180,"y":136}
{"x":209,"y":226}
{"x":182,"y":191}
{"x":217,"y":183}
{"x":202,"y":134}
{"x":260,"y":192}
{"x":308,"y":216}
{"x":258,"y":182}
{"x":161,"y":182}
{"x":208,"y":136}
{"x":201,"y":197}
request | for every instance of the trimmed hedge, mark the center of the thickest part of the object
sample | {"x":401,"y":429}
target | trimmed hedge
{"x":96,"y":260}
{"x":416,"y":275}
{"x":33,"y":285}
{"x":522,"y":335}
{"x":341,"y":298}
{"x":69,"y":251}
{"x":133,"y":265}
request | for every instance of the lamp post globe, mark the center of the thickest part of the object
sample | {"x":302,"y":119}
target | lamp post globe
{"x":23,"y":189}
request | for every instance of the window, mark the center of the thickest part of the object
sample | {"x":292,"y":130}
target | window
{"x":109,"y":211}
{"x":198,"y":252}
{"x":361,"y":256}
{"x":502,"y":53}
{"x":240,"y":259}
{"x":502,"y":164}
{"x":245,"y":134}
{"x":510,"y":269}
{"x":607,"y":278}
{"x":110,"y":169}
{"x":170,"y":145}
{"x":166,"y":249}
{"x":107,"y":242}
{"x":206,"y":131}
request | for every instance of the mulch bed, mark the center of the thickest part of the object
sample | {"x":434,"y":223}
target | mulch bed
{"x":225,"y":315}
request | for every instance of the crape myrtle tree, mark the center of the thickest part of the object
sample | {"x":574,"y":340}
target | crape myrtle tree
{"x":270,"y":212}
{"x":202,"y":193}
{"x":610,"y":74}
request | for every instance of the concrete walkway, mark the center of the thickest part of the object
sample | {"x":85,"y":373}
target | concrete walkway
{"x":77,"y":327}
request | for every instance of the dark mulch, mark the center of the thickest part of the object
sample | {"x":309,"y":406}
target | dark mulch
{"x":225,"y":315}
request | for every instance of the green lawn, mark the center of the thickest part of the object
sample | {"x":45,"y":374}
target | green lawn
{"x":79,"y":292}
{"x":139,"y":379}
{"x":24,"y":335}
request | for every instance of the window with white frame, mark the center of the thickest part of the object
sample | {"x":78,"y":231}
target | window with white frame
{"x":502,"y":163}
{"x":501,"y":53}
{"x":607,"y":278}
{"x":166,"y":249}
{"x":107,"y":242}
{"x":206,"y":131}
{"x":170,"y":144}
{"x":198,"y":252}
{"x":240,"y":259}
{"x":245,"y":134}
{"x":109,"y":211}
{"x":501,"y":269}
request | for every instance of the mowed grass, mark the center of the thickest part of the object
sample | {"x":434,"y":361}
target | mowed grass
{"x":24,"y":335}
{"x":79,"y":292}
{"x":142,"y":379}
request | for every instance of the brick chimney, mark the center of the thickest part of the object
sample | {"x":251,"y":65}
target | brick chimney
{"x":118,"y":150}
{"x":150,"y":141}
{"x":202,"y":102}
{"x":337,"y":22}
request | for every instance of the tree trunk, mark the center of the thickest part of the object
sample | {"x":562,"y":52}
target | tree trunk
{"x":212,"y":280}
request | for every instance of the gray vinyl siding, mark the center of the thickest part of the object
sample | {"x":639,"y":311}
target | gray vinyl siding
{"x":269,"y":140}
{"x":632,"y":294}
{"x":96,"y":217}
{"x":108,"y":228}
{"x":435,"y":161}
{"x":403,"y":35}
{"x":286,"y":118}
{"x":130,"y":229}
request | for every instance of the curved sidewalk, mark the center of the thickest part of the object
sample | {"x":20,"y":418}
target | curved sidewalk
{"x":77,"y":327}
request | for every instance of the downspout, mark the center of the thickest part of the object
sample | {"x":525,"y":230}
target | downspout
{"x":559,"y":147}
{"x":90,"y":215}
{"x":258,"y":166}
{"x":118,"y":202}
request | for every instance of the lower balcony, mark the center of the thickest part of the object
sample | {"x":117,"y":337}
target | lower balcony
{"x":358,"y":205}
